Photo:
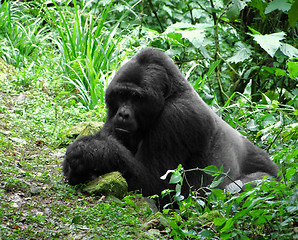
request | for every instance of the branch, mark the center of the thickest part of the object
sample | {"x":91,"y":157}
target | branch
{"x":215,"y":21}
{"x":190,"y":11}
{"x":221,"y":174}
{"x":155,"y":14}
{"x":229,"y":65}
{"x":142,"y":18}
{"x":204,"y":9}
{"x":276,"y":136}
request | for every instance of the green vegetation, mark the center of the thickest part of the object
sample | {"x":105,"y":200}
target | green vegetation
{"x":56,"y":59}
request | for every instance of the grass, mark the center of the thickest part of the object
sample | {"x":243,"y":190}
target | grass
{"x":88,"y":48}
{"x":35,"y":201}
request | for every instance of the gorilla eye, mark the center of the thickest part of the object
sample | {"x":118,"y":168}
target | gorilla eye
{"x":136,"y":96}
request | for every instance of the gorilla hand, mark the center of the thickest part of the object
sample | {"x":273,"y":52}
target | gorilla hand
{"x":90,"y":156}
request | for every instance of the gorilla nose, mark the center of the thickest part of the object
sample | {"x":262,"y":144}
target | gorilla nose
{"x":124,"y":115}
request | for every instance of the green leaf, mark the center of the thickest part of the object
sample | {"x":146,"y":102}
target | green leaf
{"x":211,"y":170}
{"x":268,"y":120}
{"x":194,"y":33}
{"x":252,"y":126}
{"x":175,"y":38}
{"x":196,"y":37}
{"x":269,"y":42}
{"x":234,"y":9}
{"x":279,"y":72}
{"x":229,"y":224}
{"x":260,"y":5}
{"x":281,"y":5}
{"x":242,"y":53}
{"x":290,"y":173}
{"x":254,"y":31}
{"x":293,"y":69}
{"x":175,"y":178}
{"x":263,"y":219}
{"x":212,"y":67}
{"x":77,"y":219}
{"x":293,"y":14}
{"x":219,"y":221}
{"x":225,"y":236}
{"x":289,"y":50}
{"x":216,"y":182}
{"x":206,"y":234}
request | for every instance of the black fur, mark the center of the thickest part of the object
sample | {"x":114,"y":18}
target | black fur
{"x":155,"y":122}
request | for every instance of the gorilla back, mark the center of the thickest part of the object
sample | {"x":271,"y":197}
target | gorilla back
{"x":156,"y":121}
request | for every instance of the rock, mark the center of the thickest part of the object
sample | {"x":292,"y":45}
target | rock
{"x":108,"y":184}
{"x":84,"y":128}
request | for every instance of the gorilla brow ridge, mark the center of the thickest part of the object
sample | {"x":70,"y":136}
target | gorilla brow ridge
{"x":127,"y":89}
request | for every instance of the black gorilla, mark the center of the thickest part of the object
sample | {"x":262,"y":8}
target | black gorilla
{"x":155,"y":122}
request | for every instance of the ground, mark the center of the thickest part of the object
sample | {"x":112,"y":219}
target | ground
{"x":36,"y":202}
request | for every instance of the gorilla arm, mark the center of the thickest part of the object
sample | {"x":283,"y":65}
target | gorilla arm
{"x":91,"y":156}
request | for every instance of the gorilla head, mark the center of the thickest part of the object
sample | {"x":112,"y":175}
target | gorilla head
{"x":157,"y":121}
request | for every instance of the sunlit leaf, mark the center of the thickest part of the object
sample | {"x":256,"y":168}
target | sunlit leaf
{"x":211,"y":170}
{"x":216,"y":182}
{"x":282,"y":5}
{"x":194,"y":33}
{"x":175,"y":178}
{"x":242,"y":53}
{"x":293,"y":68}
{"x":269,"y":42}
{"x":269,"y":119}
{"x":163,"y":177}
{"x":290,"y":173}
{"x":229,"y":224}
{"x":252,"y":126}
{"x":196,"y":37}
{"x":219,"y":221}
{"x":289,"y":50}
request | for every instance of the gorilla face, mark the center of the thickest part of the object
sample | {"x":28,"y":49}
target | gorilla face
{"x":135,"y":99}
{"x":125,"y":119}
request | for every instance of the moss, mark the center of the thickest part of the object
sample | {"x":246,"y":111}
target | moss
{"x":6,"y":71}
{"x":84,"y":128}
{"x":204,"y":219}
{"x":109,"y":184}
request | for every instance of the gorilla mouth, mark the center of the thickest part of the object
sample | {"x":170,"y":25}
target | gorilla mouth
{"x":122,"y":130}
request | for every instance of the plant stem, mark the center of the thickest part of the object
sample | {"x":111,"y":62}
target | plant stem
{"x":155,"y":14}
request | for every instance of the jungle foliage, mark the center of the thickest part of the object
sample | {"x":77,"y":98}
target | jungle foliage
{"x":57,"y":58}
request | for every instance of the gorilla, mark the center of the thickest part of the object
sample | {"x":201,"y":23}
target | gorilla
{"x":156,"y":121}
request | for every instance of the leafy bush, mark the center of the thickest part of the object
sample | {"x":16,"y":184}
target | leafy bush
{"x":267,"y":210}
{"x":87,"y":48}
{"x":24,"y":37}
